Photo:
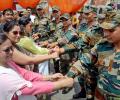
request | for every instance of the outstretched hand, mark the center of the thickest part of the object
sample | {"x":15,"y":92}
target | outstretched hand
{"x":57,"y":76}
{"x":35,"y":36}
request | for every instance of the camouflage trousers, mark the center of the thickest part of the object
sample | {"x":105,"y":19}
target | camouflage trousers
{"x":66,"y":60}
{"x":101,"y":95}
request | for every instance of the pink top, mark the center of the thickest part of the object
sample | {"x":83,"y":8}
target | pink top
{"x":37,"y":86}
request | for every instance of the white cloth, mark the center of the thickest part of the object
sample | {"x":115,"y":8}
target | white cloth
{"x":10,"y":83}
{"x":32,"y":17}
{"x":43,"y":68}
{"x":27,"y":97}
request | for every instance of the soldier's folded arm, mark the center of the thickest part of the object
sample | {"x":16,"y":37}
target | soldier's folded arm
{"x":86,"y":61}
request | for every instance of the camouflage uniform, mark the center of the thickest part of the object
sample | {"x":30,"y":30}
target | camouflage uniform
{"x":56,"y":29}
{"x":104,"y":56}
{"x":89,"y":36}
{"x":41,"y":24}
{"x":55,"y":26}
{"x":67,"y":37}
{"x":84,"y":43}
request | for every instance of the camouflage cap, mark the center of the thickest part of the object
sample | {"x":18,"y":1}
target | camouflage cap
{"x":94,"y":8}
{"x":42,"y":5}
{"x":65,"y":16}
{"x":15,"y":11}
{"x":43,"y":0}
{"x":109,"y":8}
{"x":24,"y":12}
{"x":39,"y":6}
{"x":55,"y":8}
{"x":111,"y":21}
{"x":87,"y":9}
{"x":100,"y":16}
{"x":105,"y":9}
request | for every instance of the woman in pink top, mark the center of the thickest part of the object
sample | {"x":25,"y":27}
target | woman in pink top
{"x":15,"y":81}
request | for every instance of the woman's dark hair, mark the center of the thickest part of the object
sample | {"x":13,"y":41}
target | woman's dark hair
{"x":8,"y":26}
{"x":23,"y":21}
{"x":3,"y":38}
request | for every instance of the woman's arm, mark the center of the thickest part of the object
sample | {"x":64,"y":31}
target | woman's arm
{"x":40,"y":87}
{"x":23,"y":59}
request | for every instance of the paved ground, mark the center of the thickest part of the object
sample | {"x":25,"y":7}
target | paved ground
{"x":59,"y":96}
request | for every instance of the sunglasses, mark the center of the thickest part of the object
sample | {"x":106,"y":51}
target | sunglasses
{"x":7,"y":50}
{"x":17,"y":32}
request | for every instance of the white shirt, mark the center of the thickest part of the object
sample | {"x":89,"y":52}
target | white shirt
{"x":10,"y":83}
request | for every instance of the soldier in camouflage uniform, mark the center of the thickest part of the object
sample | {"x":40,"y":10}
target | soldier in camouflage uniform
{"x":90,"y":33}
{"x":56,"y":32}
{"x":105,"y":55}
{"x":41,"y":22}
{"x":55,"y":26}
{"x":69,"y":35}
{"x":87,"y":40}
